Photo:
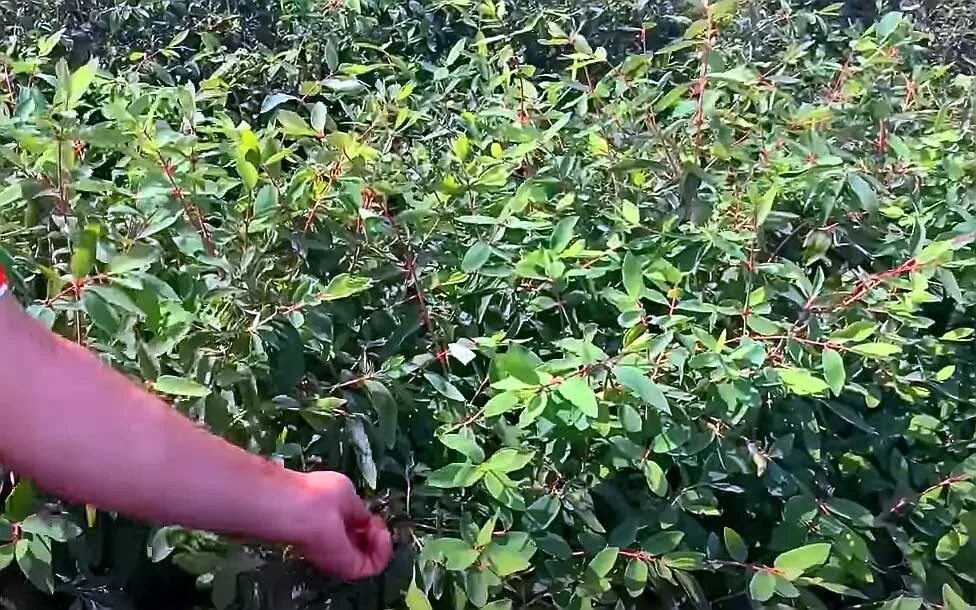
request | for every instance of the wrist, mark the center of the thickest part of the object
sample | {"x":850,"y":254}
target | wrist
{"x":286,"y":508}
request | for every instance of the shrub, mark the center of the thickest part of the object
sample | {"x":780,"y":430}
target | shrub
{"x":684,"y":329}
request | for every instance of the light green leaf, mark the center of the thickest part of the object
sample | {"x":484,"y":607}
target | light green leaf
{"x":293,"y":124}
{"x":833,"y":367}
{"x":662,"y":542}
{"x":635,"y":577}
{"x":84,"y":256}
{"x":510,"y":553}
{"x":795,"y":562}
{"x":638,"y":383}
{"x":735,"y":545}
{"x":604,"y":561}
{"x":878,"y":350}
{"x":274,"y":100}
{"x":81,"y":79}
{"x":477,"y":255}
{"x":343,"y":85}
{"x":888,"y":24}
{"x":952,"y":600}
{"x":865,"y":193}
{"x":762,"y":586}
{"x":957,"y":334}
{"x":562,"y":234}
{"x":509,"y":460}
{"x":501,"y":403}
{"x":180,"y":386}
{"x":444,"y":387}
{"x":416,"y":599}
{"x":345,"y":285}
{"x":577,"y":391}
{"x":802,"y":382}
{"x":633,"y":275}
{"x":656,"y":480}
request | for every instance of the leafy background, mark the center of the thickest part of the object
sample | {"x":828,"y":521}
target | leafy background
{"x":629,"y":305}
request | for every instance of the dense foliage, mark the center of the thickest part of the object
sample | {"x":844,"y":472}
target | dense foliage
{"x":684,"y":327}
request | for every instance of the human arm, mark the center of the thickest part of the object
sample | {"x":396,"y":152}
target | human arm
{"x":86,"y":433}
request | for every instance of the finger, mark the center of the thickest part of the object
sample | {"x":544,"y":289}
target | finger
{"x":352,"y":506}
{"x":381,"y":546}
{"x":341,"y":558}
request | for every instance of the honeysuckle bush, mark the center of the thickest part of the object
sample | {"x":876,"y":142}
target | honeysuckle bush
{"x":686,"y":330}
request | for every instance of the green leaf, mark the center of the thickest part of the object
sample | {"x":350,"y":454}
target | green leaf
{"x":466,"y":444}
{"x":888,"y":24}
{"x":501,"y":403}
{"x":957,"y":334}
{"x":69,"y":93}
{"x":455,"y":475}
{"x":662,"y":542}
{"x":180,"y":386}
{"x":856,"y":332}
{"x":765,"y":205}
{"x":762,"y":586}
{"x":55,"y":527}
{"x":952,"y":600}
{"x":938,"y":251}
{"x":386,"y":411}
{"x":444,"y":387}
{"x":656,"y":480}
{"x":795,"y":562}
{"x":34,"y":558}
{"x":852,"y":511}
{"x":638,"y":383}
{"x":563,"y":233}
{"x":274,"y":100}
{"x":477,"y":255}
{"x":802,"y":382}
{"x":415,"y":598}
{"x":510,"y":553}
{"x":247,"y":172}
{"x":683,"y":560}
{"x":604,"y":561}
{"x":509,"y":460}
{"x":359,"y":440}
{"x":864,"y":192}
{"x":21,"y":502}
{"x":633,"y":275}
{"x":456,"y":554}
{"x":735,"y":545}
{"x":833,"y":368}
{"x":541,"y":513}
{"x":577,"y":391}
{"x":138,"y":257}
{"x":293,"y":124}
{"x":7,"y":552}
{"x":518,"y":363}
{"x":343,"y":85}
{"x":84,"y":257}
{"x":345,"y":285}
{"x":635,"y":577}
{"x":265,"y":203}
{"x":876,"y":350}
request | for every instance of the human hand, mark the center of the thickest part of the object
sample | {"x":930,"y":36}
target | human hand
{"x":334,"y":530}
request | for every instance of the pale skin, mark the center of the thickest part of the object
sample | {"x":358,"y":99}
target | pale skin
{"x":88,"y":434}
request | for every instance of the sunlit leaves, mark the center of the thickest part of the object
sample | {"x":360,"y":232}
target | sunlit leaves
{"x":795,"y":562}
{"x":833,"y":368}
{"x":802,"y":382}
{"x":577,"y":391}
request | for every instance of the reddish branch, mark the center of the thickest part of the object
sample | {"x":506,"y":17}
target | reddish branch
{"x":191,"y":210}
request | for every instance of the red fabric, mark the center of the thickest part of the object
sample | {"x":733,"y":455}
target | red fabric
{"x":3,"y":282}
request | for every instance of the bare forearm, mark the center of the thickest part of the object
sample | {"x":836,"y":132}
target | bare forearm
{"x":85,"y":432}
